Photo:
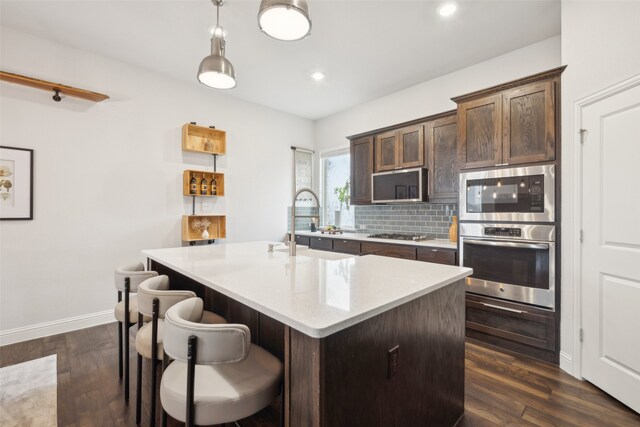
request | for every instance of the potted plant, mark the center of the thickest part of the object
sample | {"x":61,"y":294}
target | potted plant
{"x":343,"y":197}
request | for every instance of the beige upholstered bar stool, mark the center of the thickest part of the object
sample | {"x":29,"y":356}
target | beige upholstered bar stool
{"x":154,"y":299}
{"x":218,"y":376}
{"x":127,"y":279}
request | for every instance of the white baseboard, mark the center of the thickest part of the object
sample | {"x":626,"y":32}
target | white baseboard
{"x":55,"y":327}
{"x":566,"y":362}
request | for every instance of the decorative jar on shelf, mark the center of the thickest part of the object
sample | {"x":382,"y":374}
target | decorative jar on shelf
{"x":205,"y":234}
{"x":453,"y":230}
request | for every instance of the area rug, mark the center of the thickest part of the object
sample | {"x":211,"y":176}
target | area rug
{"x":28,"y":393}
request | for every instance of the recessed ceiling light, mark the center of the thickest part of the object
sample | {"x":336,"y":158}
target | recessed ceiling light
{"x":447,"y":9}
{"x":317,"y":76}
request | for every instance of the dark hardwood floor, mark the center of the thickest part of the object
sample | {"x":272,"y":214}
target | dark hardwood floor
{"x":501,"y":389}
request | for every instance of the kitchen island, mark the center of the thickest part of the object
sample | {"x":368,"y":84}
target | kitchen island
{"x":366,"y":341}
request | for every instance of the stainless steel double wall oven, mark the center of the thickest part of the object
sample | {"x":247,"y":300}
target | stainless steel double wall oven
{"x":508,"y":233}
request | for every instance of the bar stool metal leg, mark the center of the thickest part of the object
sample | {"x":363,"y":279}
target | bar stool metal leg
{"x":119,"y":342}
{"x":154,"y":359}
{"x":126,"y":338}
{"x":139,"y":378}
{"x":165,"y":363}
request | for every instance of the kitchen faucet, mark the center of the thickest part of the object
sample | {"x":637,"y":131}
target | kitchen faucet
{"x":292,"y":237}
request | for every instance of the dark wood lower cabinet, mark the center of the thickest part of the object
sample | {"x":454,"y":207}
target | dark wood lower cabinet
{"x":347,"y":375}
{"x":391,"y":250}
{"x":439,"y":256}
{"x":302,"y":240}
{"x":322,"y":243}
{"x":346,"y":246}
{"x":518,"y":327}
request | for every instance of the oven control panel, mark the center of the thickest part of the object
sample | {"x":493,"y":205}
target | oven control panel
{"x":503,"y":231}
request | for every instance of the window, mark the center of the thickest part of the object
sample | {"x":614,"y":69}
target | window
{"x":335,"y":174}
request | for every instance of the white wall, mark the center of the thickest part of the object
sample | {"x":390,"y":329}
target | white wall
{"x":600,"y":42}
{"x":434,"y":96}
{"x":108,"y":177}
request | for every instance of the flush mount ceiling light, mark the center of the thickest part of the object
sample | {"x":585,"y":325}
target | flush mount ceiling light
{"x":317,"y":76}
{"x":447,"y":9}
{"x":286,"y":20}
{"x":215,"y":70}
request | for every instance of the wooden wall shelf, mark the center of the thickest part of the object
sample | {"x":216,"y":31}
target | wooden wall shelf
{"x":186,"y":182}
{"x":200,"y":139}
{"x":52,"y":87}
{"x":217,"y":229}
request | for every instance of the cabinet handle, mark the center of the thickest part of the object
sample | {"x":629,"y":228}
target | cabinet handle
{"x":502,"y":164}
{"x":434,"y":250}
{"x":504,"y":308}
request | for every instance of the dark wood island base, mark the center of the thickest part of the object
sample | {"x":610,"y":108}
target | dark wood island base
{"x":403,"y":367}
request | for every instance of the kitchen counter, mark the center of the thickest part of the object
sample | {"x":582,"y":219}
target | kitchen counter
{"x":434,"y":243}
{"x":365,"y":340}
{"x":316,"y":292}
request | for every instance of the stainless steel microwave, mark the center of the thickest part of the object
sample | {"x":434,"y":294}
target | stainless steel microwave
{"x":398,"y":186}
{"x":525,"y":194}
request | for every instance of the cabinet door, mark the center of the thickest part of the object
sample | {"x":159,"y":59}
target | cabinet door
{"x":480,"y":132}
{"x":444,"y":165}
{"x":346,"y":246}
{"x":517,"y":327}
{"x":302,"y":240}
{"x":438,"y":256}
{"x":361,"y":170}
{"x":388,"y":249}
{"x":411,"y":146}
{"x":529,"y":131}
{"x":321,"y":243}
{"x":386,"y":151}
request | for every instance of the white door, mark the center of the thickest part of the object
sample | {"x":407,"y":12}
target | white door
{"x":611,"y":245}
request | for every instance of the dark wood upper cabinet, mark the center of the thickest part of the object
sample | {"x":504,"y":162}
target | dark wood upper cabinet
{"x":441,"y":137}
{"x":510,"y":124}
{"x":400,"y":148}
{"x":529,"y":124}
{"x":480,"y":132}
{"x":411,"y":146}
{"x":361,"y":170}
{"x":386,"y":151}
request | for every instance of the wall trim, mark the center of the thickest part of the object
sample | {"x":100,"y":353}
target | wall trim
{"x":566,"y":362}
{"x":12,"y":336}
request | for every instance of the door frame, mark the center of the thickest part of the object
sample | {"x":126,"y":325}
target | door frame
{"x":575,"y":242}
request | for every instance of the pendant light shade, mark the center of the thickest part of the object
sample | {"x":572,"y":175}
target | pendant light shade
{"x":286,"y":20}
{"x":215,"y":70}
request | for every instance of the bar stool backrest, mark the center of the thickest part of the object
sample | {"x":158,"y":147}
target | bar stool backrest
{"x":217,"y":343}
{"x":136,"y":275}
{"x":158,"y":287}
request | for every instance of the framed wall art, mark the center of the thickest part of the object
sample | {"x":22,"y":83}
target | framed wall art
{"x":16,"y":183}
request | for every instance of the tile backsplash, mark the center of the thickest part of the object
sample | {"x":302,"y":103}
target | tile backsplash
{"x":422,"y":218}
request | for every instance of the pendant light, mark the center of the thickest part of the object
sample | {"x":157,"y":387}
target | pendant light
{"x":215,"y":70}
{"x":286,"y":20}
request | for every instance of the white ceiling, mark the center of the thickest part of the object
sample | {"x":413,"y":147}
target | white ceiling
{"x":367,"y":49}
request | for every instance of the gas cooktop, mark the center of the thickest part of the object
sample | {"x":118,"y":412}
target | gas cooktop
{"x":396,"y":236}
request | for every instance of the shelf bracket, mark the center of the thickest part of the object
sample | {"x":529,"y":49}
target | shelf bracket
{"x":193,"y":205}
{"x":215,"y":163}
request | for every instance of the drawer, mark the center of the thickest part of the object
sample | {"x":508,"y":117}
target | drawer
{"x":439,"y":256}
{"x":302,"y":240}
{"x":391,"y":250}
{"x":346,"y":246}
{"x":510,"y":321}
{"x":322,"y":243}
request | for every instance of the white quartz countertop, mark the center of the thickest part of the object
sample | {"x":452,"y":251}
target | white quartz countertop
{"x":316,"y":292}
{"x":434,"y":243}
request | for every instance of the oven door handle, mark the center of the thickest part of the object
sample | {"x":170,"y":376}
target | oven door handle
{"x":508,"y":244}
